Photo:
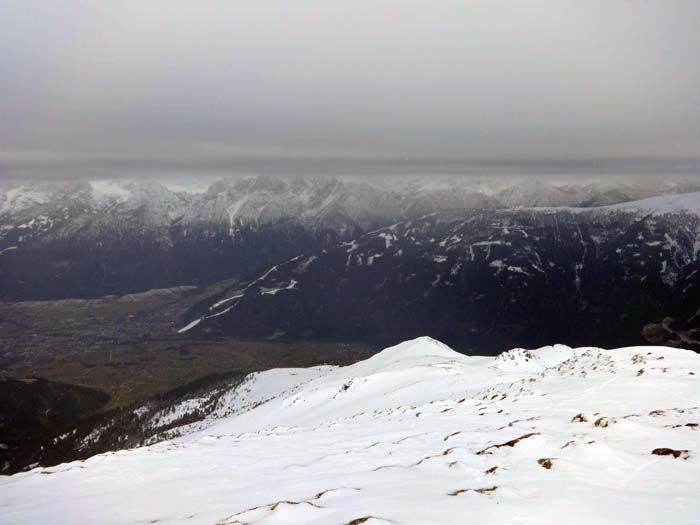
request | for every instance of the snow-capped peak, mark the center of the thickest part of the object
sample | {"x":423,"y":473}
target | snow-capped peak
{"x":420,"y":351}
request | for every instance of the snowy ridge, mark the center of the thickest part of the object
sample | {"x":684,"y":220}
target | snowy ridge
{"x":416,"y":434}
{"x":658,"y":204}
{"x":675,"y":203}
{"x":365,"y":200}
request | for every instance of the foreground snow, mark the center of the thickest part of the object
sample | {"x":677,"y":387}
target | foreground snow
{"x":417,"y":434}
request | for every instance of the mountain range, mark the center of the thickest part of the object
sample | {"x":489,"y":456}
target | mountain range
{"x":480,"y":263}
{"x":96,"y":238}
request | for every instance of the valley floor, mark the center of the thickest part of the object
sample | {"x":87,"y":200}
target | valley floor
{"x":128,"y":346}
{"x":417,"y":434}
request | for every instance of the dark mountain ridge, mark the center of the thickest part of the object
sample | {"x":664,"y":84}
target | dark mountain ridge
{"x":483,"y":280}
{"x":91,"y":239}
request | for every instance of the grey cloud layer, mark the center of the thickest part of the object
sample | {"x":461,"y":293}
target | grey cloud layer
{"x":148,"y":81}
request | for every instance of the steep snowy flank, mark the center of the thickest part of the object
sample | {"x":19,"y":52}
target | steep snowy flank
{"x":416,"y":434}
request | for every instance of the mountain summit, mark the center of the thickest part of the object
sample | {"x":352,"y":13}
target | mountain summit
{"x":416,"y":434}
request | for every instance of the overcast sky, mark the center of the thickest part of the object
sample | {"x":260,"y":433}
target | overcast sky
{"x":202,"y":84}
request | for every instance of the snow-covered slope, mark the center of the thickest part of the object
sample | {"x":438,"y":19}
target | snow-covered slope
{"x":417,"y":434}
{"x":674,"y":203}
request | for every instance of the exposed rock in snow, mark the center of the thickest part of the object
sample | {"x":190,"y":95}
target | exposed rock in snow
{"x":416,"y":434}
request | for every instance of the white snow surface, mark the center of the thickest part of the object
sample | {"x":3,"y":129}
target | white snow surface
{"x":657,"y":205}
{"x":417,"y":434}
{"x":683,"y":202}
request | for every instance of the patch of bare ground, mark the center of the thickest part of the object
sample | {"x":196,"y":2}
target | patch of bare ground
{"x":510,"y":443}
{"x":365,"y":519}
{"x":683,"y":454}
{"x":445,"y":452}
{"x":638,"y":359}
{"x":392,"y":466}
{"x":274,"y":506}
{"x":324,"y":492}
{"x":233,"y":520}
{"x":533,"y":418}
{"x":692,"y":426}
{"x":546,"y":463}
{"x":484,"y":490}
{"x":579,"y":418}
